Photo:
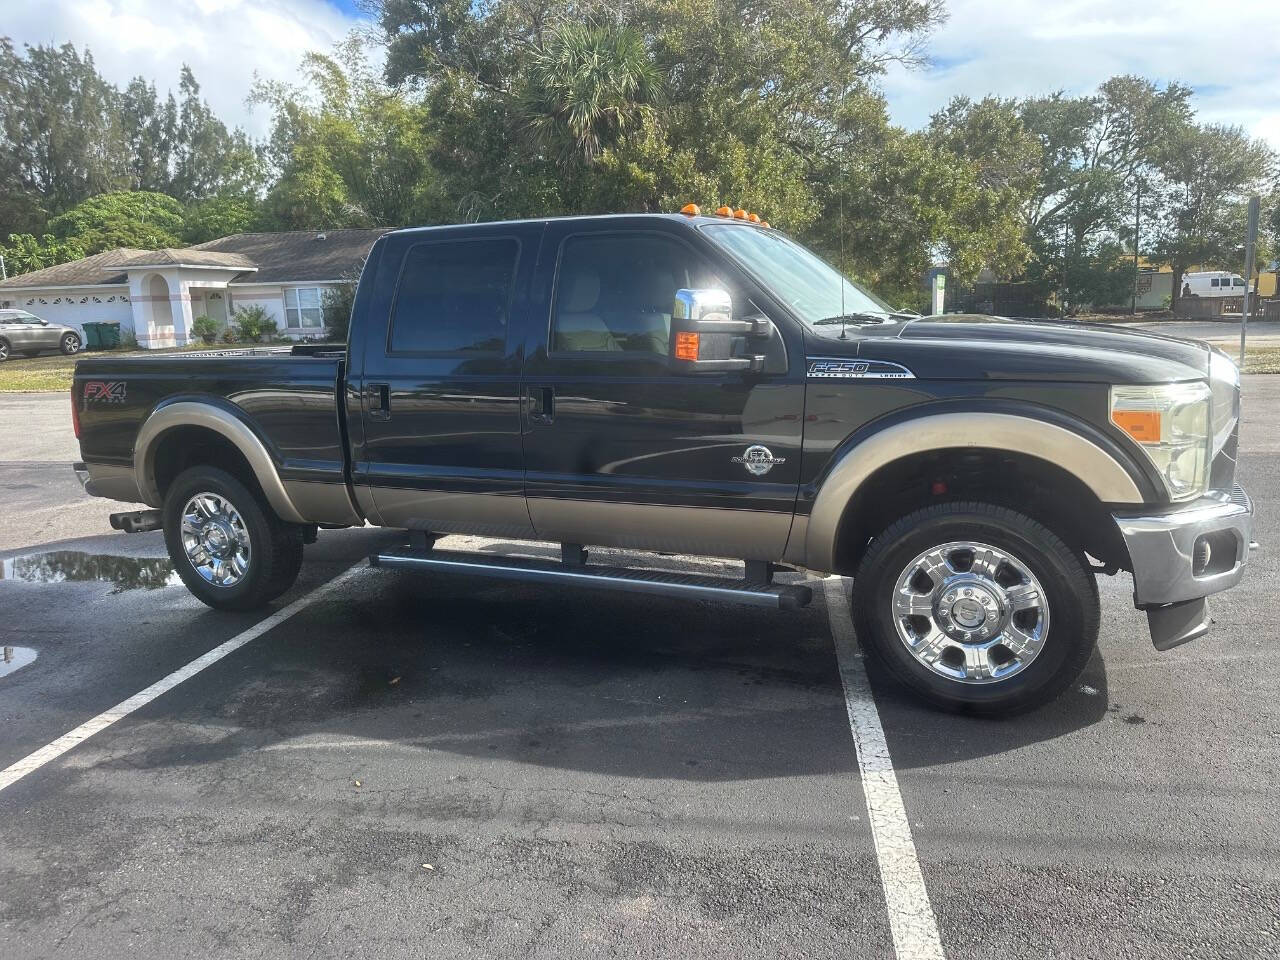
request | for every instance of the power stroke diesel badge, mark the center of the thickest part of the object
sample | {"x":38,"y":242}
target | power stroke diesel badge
{"x":758,"y":460}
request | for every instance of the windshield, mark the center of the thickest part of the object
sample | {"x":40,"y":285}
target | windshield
{"x":810,"y":285}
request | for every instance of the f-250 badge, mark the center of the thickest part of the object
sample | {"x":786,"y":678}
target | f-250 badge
{"x":758,"y":460}
{"x":104,"y":391}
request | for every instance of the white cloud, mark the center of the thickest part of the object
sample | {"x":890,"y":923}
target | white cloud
{"x":1229,"y":52}
{"x":223,"y":41}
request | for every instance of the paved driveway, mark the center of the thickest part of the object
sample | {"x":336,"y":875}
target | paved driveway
{"x":443,"y":767}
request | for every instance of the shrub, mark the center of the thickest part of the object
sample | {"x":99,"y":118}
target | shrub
{"x":230,"y":335}
{"x":254,"y":323}
{"x":337,"y":303}
{"x":206,"y":328}
{"x":128,"y":339}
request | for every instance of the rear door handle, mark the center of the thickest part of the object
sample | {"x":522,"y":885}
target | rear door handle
{"x":544,"y":404}
{"x":379,"y":401}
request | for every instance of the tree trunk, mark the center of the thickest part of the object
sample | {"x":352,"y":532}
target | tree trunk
{"x":1176,"y":294}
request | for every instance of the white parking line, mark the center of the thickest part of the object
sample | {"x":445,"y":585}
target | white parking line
{"x":11,"y":775}
{"x":911,"y":920}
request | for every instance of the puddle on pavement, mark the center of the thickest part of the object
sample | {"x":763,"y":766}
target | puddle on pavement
{"x":15,"y":658}
{"x":60,"y":566}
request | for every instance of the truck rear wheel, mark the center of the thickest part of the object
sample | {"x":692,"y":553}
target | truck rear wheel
{"x":976,"y":607}
{"x":228,"y":547}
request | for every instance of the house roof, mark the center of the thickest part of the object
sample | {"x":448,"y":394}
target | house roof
{"x":288,"y":257}
{"x":189,"y":257}
{"x":299,"y":255}
{"x":91,"y":271}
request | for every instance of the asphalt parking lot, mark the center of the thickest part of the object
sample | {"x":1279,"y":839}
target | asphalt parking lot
{"x":443,"y":767}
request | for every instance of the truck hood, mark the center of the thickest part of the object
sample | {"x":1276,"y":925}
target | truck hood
{"x":979,"y":347}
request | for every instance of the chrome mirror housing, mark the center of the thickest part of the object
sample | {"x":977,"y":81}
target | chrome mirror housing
{"x":706,"y":338}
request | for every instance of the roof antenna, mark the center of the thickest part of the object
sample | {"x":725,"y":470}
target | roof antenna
{"x":844,"y":95}
{"x":843,"y":315}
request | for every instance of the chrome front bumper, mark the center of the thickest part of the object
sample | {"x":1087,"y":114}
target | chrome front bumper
{"x":1181,"y":557}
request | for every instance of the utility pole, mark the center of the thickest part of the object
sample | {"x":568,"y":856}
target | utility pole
{"x":4,"y":275}
{"x":1137,"y":226}
{"x":1251,"y":236}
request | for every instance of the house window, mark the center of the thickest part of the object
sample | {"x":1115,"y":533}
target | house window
{"x":302,"y":308}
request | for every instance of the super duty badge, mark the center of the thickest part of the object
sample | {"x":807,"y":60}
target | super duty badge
{"x":834,"y":368}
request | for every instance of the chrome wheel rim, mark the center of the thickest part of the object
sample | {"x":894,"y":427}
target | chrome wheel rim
{"x":215,"y":539}
{"x":970,"y":612}
{"x":71,"y":343}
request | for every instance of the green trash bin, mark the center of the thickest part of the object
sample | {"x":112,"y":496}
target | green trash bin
{"x":92,"y":336}
{"x":109,"y":334}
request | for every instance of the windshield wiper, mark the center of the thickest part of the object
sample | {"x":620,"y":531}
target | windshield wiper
{"x":866,"y":317}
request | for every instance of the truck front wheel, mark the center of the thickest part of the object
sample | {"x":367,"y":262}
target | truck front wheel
{"x":976,"y":607}
{"x":230,"y":550}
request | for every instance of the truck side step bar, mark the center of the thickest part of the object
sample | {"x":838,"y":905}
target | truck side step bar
{"x":652,"y":582}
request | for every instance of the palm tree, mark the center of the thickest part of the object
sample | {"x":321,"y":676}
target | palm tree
{"x":588,"y":84}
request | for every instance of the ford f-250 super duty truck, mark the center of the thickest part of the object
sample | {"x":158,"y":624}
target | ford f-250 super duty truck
{"x":703,"y":384}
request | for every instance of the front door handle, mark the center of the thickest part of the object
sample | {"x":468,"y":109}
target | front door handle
{"x":379,"y":401}
{"x":544,"y":404}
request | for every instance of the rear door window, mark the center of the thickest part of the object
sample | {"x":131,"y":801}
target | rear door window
{"x":454,"y":297}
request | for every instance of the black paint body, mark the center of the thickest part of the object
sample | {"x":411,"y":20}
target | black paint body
{"x":515,"y":435}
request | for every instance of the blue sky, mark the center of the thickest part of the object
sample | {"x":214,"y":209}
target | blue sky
{"x":987,"y":46}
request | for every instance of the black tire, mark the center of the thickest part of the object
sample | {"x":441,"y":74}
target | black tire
{"x":1070,"y":590}
{"x":70,"y":344}
{"x":275,"y":555}
{"x":4,"y":349}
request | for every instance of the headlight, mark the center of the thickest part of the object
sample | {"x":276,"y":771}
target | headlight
{"x":1170,"y":422}
{"x":1224,"y":382}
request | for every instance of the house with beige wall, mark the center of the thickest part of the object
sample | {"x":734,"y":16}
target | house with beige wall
{"x":158,"y":293}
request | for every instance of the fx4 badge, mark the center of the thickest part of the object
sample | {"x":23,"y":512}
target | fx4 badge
{"x":758,"y":460}
{"x":832,"y":368}
{"x":104,"y":391}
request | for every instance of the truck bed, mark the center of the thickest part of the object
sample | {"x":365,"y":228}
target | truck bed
{"x":289,"y":398}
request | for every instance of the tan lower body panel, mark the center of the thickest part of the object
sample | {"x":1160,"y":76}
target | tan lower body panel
{"x":445,"y":511}
{"x":322,"y":502}
{"x":703,"y":531}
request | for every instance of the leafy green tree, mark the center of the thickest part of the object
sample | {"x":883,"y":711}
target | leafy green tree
{"x":219,"y":216}
{"x":1207,"y":173}
{"x":587,"y":87}
{"x":348,"y":150}
{"x":60,"y":137}
{"x":122,"y":219}
{"x":24,"y":252}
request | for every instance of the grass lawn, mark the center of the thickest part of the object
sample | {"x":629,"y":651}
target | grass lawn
{"x":1260,"y":359}
{"x":52,"y":372}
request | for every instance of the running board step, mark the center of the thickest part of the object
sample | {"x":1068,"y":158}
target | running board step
{"x":652,"y":582}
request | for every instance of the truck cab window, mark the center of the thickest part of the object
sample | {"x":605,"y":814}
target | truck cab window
{"x":454,"y":296}
{"x":614,"y":293}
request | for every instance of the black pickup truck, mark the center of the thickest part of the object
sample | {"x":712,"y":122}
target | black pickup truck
{"x":702,"y":385}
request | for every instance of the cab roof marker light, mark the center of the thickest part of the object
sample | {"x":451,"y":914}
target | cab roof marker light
{"x":691,"y":210}
{"x":753,"y":217}
{"x":739,"y":214}
{"x":724,"y":211}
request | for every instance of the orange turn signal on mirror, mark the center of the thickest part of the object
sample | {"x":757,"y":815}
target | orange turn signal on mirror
{"x":686,"y":345}
{"x":691,"y":209}
{"x":1142,"y":425}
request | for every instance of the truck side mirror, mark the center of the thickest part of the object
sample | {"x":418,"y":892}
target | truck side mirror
{"x":706,"y":339}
